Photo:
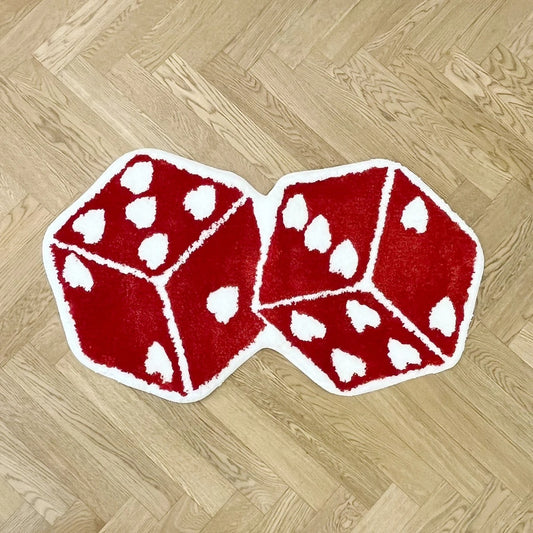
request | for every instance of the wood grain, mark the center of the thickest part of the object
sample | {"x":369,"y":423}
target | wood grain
{"x":262,"y":89}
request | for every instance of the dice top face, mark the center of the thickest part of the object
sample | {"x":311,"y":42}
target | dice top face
{"x":148,"y":214}
{"x":381,"y":290}
{"x":153,"y":270}
{"x":169,"y":274}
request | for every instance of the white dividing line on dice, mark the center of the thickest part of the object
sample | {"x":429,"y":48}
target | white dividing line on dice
{"x":380,"y":224}
{"x":211,"y":230}
{"x":124,"y":269}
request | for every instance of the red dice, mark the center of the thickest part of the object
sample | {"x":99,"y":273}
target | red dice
{"x":170,"y":274}
{"x":369,"y":276}
{"x":154,"y":271}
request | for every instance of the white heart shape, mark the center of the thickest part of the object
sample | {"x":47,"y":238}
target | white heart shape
{"x":362,"y":316}
{"x":153,"y":250}
{"x":344,"y":260}
{"x":402,"y":355}
{"x":295,"y":214}
{"x":157,"y":362}
{"x":306,"y":328}
{"x":347,"y":365}
{"x":138,"y":177}
{"x":415,"y":215}
{"x":91,"y":225}
{"x":224,"y":303}
{"x":142,"y":211}
{"x":317,"y":235}
{"x":76,"y":274}
{"x":442,"y":317}
{"x":201,"y":202}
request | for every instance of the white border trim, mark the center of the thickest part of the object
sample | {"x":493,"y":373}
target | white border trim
{"x":265,"y":208}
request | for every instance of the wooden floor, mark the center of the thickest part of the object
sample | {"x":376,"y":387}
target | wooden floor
{"x":263,"y":88}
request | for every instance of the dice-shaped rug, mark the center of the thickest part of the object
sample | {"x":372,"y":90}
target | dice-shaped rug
{"x":169,"y":274}
{"x":368,"y":275}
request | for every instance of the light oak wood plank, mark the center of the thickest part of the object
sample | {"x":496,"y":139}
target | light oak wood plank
{"x":78,"y":518}
{"x":341,"y":513}
{"x":82,"y":420}
{"x":224,"y":117}
{"x":394,"y":510}
{"x":231,"y":457}
{"x":522,"y":343}
{"x":22,"y":39}
{"x":238,"y":514}
{"x":122,"y":35}
{"x":519,"y":40}
{"x":185,"y":516}
{"x":288,"y":515}
{"x":77,"y":32}
{"x":132,"y":517}
{"x":180,"y":122}
{"x":510,"y":72}
{"x":262,"y":31}
{"x":25,"y":519}
{"x":293,"y":44}
{"x":441,"y":512}
{"x":10,"y":498}
{"x":272,"y":115}
{"x":497,"y":100}
{"x":304,"y":475}
{"x":331,"y":432}
{"x":504,"y":152}
{"x":62,"y":454}
{"x":365,"y":23}
{"x":154,"y":437}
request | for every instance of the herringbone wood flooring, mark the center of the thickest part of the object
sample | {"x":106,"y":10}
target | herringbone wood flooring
{"x":263,"y":88}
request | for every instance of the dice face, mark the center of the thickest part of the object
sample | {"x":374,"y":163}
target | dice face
{"x":154,"y":271}
{"x":322,"y":235}
{"x":148,"y":214}
{"x":104,"y":305}
{"x":351,"y":340}
{"x":425,"y":263}
{"x":371,"y":292}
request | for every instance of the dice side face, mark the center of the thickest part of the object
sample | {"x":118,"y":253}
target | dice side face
{"x":353,"y":342}
{"x":139,"y":344}
{"x":427,"y":263}
{"x":211,"y":297}
{"x":100,"y":309}
{"x":323,"y":234}
{"x":148,"y":213}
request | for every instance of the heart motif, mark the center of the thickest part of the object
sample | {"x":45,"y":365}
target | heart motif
{"x":442,"y":317}
{"x":157,"y":362}
{"x":91,"y":225}
{"x":402,"y":355}
{"x":138,"y":177}
{"x":347,"y":365}
{"x":201,"y":202}
{"x":142,"y":212}
{"x":415,"y":215}
{"x":224,"y":303}
{"x":362,"y":316}
{"x":76,"y":274}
